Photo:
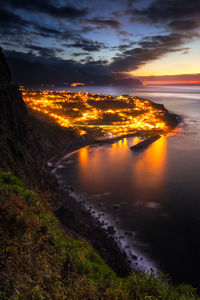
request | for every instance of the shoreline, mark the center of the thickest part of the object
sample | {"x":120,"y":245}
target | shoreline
{"x":90,"y":223}
{"x":109,"y":236}
{"x":98,"y":229}
{"x":74,"y":215}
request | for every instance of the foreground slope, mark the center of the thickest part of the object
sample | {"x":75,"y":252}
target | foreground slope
{"x":38,"y":261}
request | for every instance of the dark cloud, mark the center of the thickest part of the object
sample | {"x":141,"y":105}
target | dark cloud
{"x":103,"y":23}
{"x":86,"y":45}
{"x":40,"y":65}
{"x":184,"y":25}
{"x":150,"y":48}
{"x":10,"y":19}
{"x":178,"y":15}
{"x":123,"y":32}
{"x":11,"y":22}
{"x":75,"y":54}
{"x":35,"y":70}
{"x":20,"y":31}
{"x":43,"y":51}
{"x":124,"y":47}
{"x":47,"y":30}
{"x":87,"y":59}
{"x":160,"y":10}
{"x":45,"y":6}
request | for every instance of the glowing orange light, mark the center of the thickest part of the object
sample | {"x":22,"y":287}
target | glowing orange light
{"x":83,"y":156}
{"x":172,"y":82}
{"x":150,"y":168}
{"x":114,"y":116}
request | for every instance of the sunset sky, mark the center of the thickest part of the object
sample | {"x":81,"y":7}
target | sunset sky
{"x":89,"y":40}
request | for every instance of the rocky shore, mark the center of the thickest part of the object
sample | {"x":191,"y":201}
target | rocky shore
{"x":75,"y":217}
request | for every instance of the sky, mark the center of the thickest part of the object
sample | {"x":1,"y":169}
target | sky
{"x":101,"y":41}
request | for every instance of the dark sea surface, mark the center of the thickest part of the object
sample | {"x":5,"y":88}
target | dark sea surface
{"x":152,"y":197}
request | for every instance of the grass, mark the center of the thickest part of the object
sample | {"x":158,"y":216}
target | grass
{"x":38,"y":261}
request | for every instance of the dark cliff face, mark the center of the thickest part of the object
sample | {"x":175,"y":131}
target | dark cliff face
{"x":20,"y":148}
{"x":5,"y":76}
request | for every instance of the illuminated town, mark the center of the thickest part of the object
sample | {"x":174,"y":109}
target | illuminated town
{"x":110,"y":115}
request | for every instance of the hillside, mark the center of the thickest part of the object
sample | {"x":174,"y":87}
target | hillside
{"x":38,"y":261}
{"x":40,"y":258}
{"x":19,"y":147}
{"x":27,"y":140}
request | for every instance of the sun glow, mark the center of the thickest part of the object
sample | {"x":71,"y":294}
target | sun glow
{"x":184,"y":82}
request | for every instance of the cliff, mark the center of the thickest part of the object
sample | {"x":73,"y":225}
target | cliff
{"x":20,"y":149}
{"x":5,"y":76}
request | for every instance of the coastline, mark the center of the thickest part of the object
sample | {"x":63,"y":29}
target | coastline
{"x":101,"y":231}
{"x":98,"y":229}
{"x":90,"y":223}
{"x":74,"y":216}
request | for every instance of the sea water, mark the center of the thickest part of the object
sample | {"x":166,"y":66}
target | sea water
{"x":152,"y":197}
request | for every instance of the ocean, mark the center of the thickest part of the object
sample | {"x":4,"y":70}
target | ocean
{"x":152,"y":198}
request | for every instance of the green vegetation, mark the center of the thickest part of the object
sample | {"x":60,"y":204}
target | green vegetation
{"x":38,"y":261}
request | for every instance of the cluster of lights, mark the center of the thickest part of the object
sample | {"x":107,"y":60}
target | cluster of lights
{"x":114,"y":116}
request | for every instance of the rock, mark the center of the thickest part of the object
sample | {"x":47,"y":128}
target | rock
{"x":22,"y":150}
{"x":116,"y":206}
{"x":134,"y":256}
{"x":111,"y":230}
{"x":5,"y":75}
{"x":71,"y":189}
{"x":128,"y":233}
{"x":152,"y":270}
{"x":128,"y":247}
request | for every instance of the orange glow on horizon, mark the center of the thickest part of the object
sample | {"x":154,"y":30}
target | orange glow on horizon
{"x":172,"y":82}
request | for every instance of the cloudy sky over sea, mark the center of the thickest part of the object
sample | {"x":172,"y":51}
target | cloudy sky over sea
{"x":102,"y":39}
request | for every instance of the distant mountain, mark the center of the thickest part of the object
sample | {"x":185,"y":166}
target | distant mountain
{"x":36,"y":70}
{"x":127,"y":82}
{"x":112,"y":81}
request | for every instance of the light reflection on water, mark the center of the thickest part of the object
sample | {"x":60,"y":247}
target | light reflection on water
{"x":150,"y":168}
{"x":116,"y":164}
{"x":158,"y":189}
